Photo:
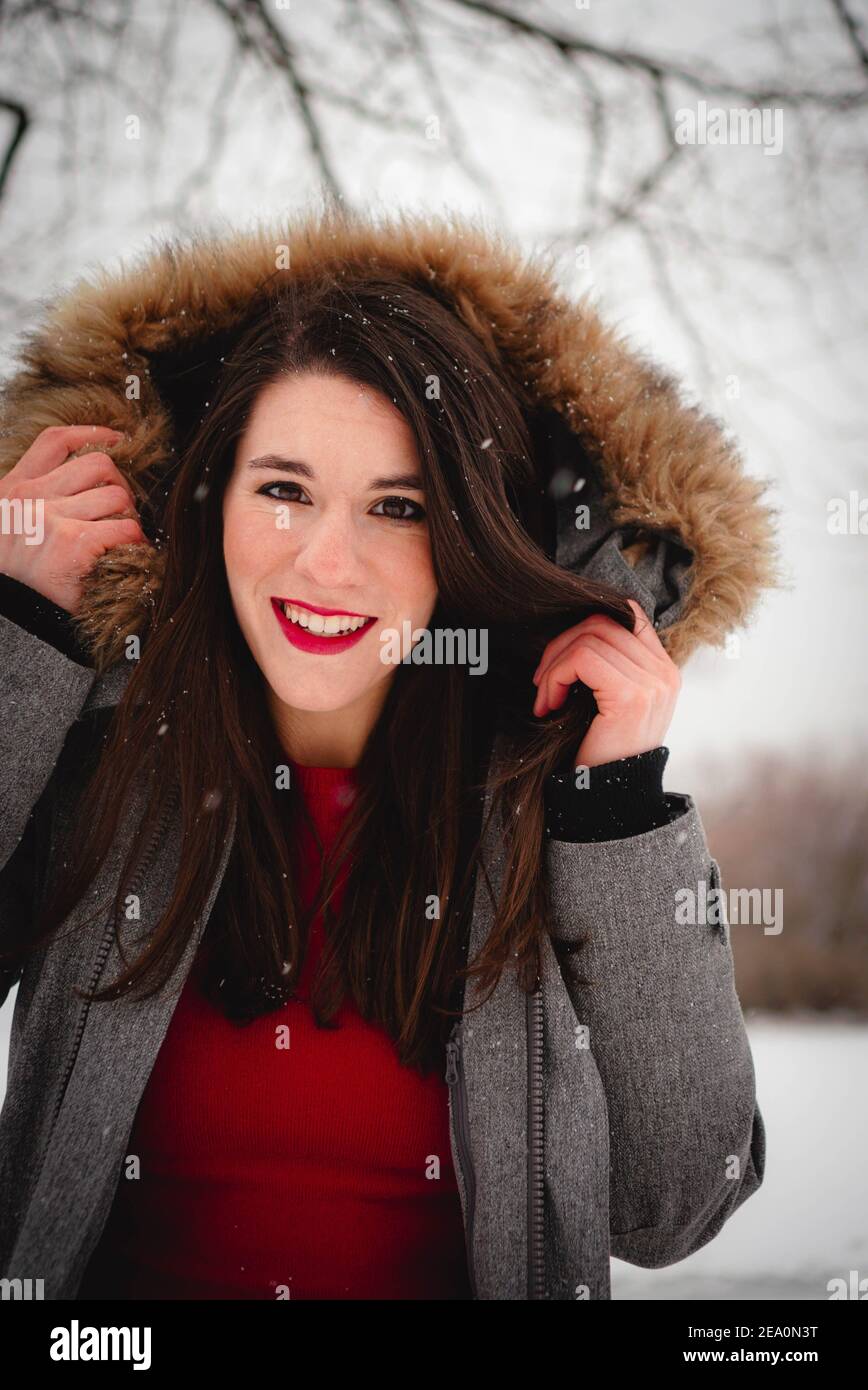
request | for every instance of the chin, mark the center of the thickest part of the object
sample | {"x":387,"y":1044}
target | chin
{"x":319,"y":699}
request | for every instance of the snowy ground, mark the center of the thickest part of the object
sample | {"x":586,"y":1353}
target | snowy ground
{"x":809,"y":1221}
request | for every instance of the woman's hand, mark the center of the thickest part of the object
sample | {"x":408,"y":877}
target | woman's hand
{"x":87,"y":508}
{"x":634,"y":681}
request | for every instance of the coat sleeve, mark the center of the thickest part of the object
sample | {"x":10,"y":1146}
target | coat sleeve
{"x":42,"y":693}
{"x":622,"y":798}
{"x":666,"y":1030}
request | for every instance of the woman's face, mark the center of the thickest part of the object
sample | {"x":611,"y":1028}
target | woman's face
{"x":338,"y":524}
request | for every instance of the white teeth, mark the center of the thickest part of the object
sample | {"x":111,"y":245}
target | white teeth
{"x":337,"y":624}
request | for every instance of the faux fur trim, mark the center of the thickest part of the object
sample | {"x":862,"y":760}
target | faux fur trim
{"x":665,"y":464}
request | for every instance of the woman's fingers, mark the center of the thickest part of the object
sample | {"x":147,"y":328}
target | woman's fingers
{"x":645,"y":650}
{"x":52,"y":446}
{"x":85,"y":507}
{"x":554,"y":648}
{"x":634,"y":661}
{"x":615,"y":636}
{"x":105,"y":535}
{"x":598,"y":663}
{"x":97,"y":502}
{"x":558,"y":644}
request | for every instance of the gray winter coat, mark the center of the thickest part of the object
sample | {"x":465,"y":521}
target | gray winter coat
{"x":614,"y":1118}
{"x":564,"y":1151}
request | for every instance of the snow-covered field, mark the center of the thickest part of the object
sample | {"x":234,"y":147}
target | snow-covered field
{"x":808,"y":1223}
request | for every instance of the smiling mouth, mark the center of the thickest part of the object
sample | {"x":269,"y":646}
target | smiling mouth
{"x":334,"y":624}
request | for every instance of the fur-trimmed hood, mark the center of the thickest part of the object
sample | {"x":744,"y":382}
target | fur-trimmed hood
{"x":672,"y":517}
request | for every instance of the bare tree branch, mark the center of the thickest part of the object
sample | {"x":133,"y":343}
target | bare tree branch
{"x":615,"y":100}
{"x":852,"y":31}
{"x":456,"y":139}
{"x":673,"y":299}
{"x":699,"y":79}
{"x":274,"y":47}
{"x":19,"y":130}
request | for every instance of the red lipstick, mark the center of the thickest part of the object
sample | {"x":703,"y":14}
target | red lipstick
{"x":312,"y":641}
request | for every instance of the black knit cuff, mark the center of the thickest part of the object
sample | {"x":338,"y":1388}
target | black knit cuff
{"x":43,"y":619}
{"x":622,"y":798}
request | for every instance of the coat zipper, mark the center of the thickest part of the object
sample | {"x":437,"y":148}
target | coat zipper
{"x":466,"y":1175}
{"x":102,"y":956}
{"x":536,"y":1271}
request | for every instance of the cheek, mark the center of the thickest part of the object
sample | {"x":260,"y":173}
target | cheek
{"x":249,"y":542}
{"x":409,"y":575}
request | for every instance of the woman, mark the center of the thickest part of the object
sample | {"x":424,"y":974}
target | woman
{"x":381,"y":992}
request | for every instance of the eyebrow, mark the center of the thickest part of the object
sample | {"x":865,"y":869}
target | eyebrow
{"x":304,"y":470}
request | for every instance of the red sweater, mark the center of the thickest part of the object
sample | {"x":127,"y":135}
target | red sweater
{"x":267,"y":1168}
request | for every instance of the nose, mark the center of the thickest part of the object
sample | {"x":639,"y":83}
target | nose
{"x":329,"y":551}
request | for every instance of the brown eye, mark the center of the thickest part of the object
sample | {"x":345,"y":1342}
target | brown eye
{"x":418,"y":513}
{"x":265,"y":491}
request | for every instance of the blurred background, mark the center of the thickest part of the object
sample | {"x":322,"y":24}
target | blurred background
{"x":588,"y":130}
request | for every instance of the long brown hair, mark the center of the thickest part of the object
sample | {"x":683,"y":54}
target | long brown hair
{"x":193,"y":718}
